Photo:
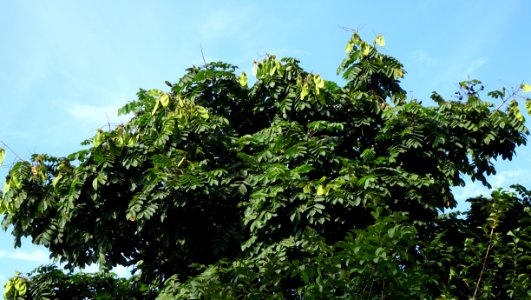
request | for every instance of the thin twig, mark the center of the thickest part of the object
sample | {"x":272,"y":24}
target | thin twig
{"x":203,"y":55}
{"x":512,"y":95}
{"x":12,"y":151}
{"x":489,"y":247}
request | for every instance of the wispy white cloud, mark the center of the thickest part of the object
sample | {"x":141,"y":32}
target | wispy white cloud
{"x":502,"y":179}
{"x":423,"y":57}
{"x":222,"y":22}
{"x":505,"y":178}
{"x":38,"y":256}
{"x":97,"y":115}
{"x":470,"y":190}
{"x":120,"y":271}
{"x":472,"y":67}
{"x":216,"y":24}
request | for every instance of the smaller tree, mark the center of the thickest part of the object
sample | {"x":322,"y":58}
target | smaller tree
{"x":49,"y":282}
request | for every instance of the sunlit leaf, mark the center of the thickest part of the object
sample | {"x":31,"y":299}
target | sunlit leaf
{"x":349,"y":47}
{"x":528,"y":106}
{"x":305,"y":90}
{"x":365,"y":49}
{"x":321,"y":190}
{"x":164,"y":100}
{"x":155,"y":108}
{"x":56,"y":179}
{"x":2,"y":155}
{"x":242,"y":79}
{"x":525,"y":87}
{"x":515,"y":110}
{"x":255,"y":68}
{"x":380,"y":41}
{"x":319,"y":82}
{"x":98,"y":139}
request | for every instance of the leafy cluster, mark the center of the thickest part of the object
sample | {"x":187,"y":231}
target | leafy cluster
{"x":294,"y":187}
{"x":49,"y":282}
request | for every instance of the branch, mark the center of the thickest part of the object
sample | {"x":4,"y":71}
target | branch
{"x":203,"y":55}
{"x":12,"y":151}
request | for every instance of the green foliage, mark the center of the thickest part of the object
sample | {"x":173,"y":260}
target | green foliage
{"x":294,"y":187}
{"x":49,"y":282}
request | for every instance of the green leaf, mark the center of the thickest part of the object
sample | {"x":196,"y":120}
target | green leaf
{"x":525,"y":87}
{"x":391,"y":232}
{"x":242,"y":189}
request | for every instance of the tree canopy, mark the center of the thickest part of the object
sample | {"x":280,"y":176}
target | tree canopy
{"x":290,"y":187}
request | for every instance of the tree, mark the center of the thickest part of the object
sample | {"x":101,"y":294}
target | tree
{"x":294,"y":187}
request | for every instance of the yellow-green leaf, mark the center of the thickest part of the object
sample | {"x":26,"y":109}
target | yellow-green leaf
{"x":365,"y":49}
{"x":155,"y":93}
{"x":255,"y":68}
{"x":349,"y":47}
{"x":305,"y":90}
{"x":319,"y":82}
{"x":242,"y":79}
{"x":525,"y":87}
{"x":6,"y":187}
{"x":20,"y":286}
{"x":307,"y":188}
{"x":2,"y":155}
{"x":180,"y":101}
{"x":7,"y":288}
{"x":354,"y":40}
{"x":155,"y":108}
{"x":164,"y":100}
{"x":513,"y":106}
{"x":203,"y":112}
{"x":273,"y":70}
{"x":321,"y":190}
{"x":398,"y":73}
{"x":528,"y":106}
{"x":56,"y":179}
{"x":380,"y":41}
{"x":98,"y":138}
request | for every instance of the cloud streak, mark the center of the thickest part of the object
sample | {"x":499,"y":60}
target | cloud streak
{"x":38,"y":256}
{"x":119,"y":270}
{"x":423,"y":57}
{"x":474,"y":189}
{"x":472,"y":67}
{"x":97,"y":115}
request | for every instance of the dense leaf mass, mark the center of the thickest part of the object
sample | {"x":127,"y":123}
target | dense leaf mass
{"x":294,"y":187}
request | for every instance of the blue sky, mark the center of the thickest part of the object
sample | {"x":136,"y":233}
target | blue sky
{"x":66,"y":66}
